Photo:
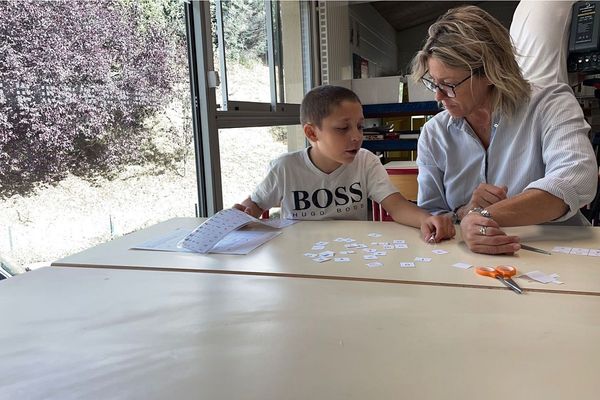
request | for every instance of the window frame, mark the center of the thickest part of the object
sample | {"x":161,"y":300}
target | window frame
{"x":207,"y":119}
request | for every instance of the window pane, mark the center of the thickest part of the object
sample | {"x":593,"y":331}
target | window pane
{"x":245,"y":157}
{"x":288,"y":48}
{"x":245,"y":41}
{"x":95,"y":123}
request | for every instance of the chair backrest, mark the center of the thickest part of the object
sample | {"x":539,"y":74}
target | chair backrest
{"x":379,"y":213}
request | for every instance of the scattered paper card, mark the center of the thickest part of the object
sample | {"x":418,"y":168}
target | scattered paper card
{"x":462,"y":265}
{"x":580,"y":252}
{"x":407,"y":265}
{"x":439,"y":251}
{"x":561,"y":249}
{"x":423,"y":259}
{"x":374,"y":264}
{"x":541,"y":277}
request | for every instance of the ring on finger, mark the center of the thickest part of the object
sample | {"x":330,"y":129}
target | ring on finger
{"x":483,"y":230}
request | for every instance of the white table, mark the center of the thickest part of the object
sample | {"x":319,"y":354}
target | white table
{"x":77,"y":333}
{"x":284,"y":256}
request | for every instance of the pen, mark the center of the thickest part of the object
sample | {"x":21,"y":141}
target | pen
{"x":432,"y":237}
{"x":531,"y":248}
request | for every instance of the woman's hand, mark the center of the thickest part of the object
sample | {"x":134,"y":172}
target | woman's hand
{"x":436,"y":228}
{"x":483,"y":235}
{"x":484,"y":196}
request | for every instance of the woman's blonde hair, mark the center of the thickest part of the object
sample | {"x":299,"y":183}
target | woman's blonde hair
{"x":470,"y":38}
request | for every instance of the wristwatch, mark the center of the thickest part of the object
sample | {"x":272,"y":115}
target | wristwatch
{"x":481,"y":211}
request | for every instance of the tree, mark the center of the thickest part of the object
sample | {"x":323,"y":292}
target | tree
{"x":77,"y":81}
{"x":245,"y":34}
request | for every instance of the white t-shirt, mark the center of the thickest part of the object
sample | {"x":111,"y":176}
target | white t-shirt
{"x":307,"y":193}
{"x":540,"y":32}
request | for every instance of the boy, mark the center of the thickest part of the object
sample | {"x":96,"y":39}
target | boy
{"x":334,"y":177}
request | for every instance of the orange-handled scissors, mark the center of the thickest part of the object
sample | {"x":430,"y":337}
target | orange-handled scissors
{"x":503,"y":273}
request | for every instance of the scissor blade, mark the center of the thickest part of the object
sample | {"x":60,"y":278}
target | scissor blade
{"x":531,"y":248}
{"x":511,"y":285}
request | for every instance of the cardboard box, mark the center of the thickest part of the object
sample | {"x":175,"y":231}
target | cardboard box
{"x":388,"y":89}
{"x":418,"y":92}
{"x":383,"y":90}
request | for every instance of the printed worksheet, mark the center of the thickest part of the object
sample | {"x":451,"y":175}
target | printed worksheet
{"x":224,"y":223}
{"x":229,"y":231}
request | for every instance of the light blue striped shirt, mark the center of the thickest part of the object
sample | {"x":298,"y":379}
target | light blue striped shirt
{"x":544,"y":146}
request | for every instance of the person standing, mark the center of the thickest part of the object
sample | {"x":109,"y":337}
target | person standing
{"x":540,"y":32}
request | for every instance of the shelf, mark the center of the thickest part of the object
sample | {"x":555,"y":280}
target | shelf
{"x":390,"y":145}
{"x":400,"y":109}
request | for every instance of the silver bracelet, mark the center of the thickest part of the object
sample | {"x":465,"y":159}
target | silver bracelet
{"x":481,"y":211}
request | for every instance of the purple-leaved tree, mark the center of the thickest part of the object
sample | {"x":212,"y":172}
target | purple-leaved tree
{"x":77,"y":81}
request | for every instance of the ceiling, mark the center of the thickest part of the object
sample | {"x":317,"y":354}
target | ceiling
{"x":407,"y":14}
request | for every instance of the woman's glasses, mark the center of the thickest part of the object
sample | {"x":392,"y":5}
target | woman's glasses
{"x":445,"y":88}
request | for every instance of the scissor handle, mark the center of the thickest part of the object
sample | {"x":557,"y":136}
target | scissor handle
{"x":506,"y":270}
{"x":487,"y":271}
{"x":503,"y":274}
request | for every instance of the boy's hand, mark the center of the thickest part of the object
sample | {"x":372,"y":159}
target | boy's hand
{"x":436,"y":228}
{"x":241,"y":207}
{"x":249,"y":207}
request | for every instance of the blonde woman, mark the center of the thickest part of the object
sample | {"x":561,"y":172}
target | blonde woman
{"x":503,"y":152}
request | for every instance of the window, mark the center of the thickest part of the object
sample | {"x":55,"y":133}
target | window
{"x":98,"y":136}
{"x":95,"y":123}
{"x":259,"y":49}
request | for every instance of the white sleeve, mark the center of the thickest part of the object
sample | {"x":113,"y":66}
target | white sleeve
{"x":379,"y":185}
{"x":267,"y":193}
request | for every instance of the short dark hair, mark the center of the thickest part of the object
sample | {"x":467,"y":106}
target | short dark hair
{"x":320,"y":101}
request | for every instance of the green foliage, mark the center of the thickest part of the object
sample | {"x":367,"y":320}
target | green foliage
{"x":74,"y":97}
{"x":245,"y":32}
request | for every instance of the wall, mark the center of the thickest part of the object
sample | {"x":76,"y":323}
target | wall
{"x":374,"y":39}
{"x":410,"y":40}
{"x":334,"y":28}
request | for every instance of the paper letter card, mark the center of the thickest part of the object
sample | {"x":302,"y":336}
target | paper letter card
{"x":225,"y":226}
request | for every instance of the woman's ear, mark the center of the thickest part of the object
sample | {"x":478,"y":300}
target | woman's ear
{"x":310,"y":131}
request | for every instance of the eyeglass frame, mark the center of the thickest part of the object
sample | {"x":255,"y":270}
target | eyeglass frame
{"x":435,"y":87}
